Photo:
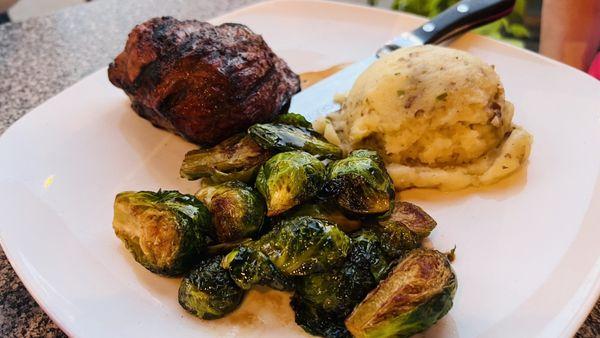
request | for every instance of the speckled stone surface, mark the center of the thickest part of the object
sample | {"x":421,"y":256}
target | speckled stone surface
{"x":41,"y":57}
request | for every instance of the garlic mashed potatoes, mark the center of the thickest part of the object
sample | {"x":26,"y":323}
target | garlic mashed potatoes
{"x":437,"y":115}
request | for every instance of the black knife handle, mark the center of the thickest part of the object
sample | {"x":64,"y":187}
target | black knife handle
{"x":463,"y":16}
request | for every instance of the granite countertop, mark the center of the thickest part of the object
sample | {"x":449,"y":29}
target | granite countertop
{"x":41,"y":57}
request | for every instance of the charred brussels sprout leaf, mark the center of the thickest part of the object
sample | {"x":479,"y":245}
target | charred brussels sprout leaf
{"x":208,"y":292}
{"x":416,"y":294}
{"x":248,"y":266}
{"x":237,"y":210}
{"x":316,"y":321}
{"x":323,"y":300}
{"x":280,"y":137}
{"x":295,"y":247}
{"x":236,"y":158}
{"x":165,"y":230}
{"x":293,"y":119}
{"x":404,"y":229}
{"x":288,"y":179}
{"x":304,"y":245}
{"x":328,"y":212}
{"x":361,"y":184}
{"x":397,"y":239}
{"x":338,"y":290}
{"x":368,"y":251}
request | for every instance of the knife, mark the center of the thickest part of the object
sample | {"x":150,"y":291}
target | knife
{"x":465,"y":15}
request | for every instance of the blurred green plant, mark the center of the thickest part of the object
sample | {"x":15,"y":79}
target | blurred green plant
{"x":510,"y":28}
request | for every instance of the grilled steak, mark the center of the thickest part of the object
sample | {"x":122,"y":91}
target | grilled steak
{"x":201,"y":81}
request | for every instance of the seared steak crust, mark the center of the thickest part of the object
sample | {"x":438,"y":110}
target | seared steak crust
{"x":201,"y":81}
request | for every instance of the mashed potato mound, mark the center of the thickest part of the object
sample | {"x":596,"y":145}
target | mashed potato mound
{"x":438,"y":116}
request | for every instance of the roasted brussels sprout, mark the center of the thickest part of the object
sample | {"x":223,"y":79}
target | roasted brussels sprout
{"x":288,"y":179}
{"x":416,"y":294}
{"x":414,"y":218}
{"x":238,"y":211}
{"x":338,"y":290}
{"x":368,"y":251}
{"x":293,"y":119}
{"x":323,"y":300}
{"x":329,"y":212}
{"x":397,"y":239}
{"x":361,"y":184}
{"x":236,"y":158}
{"x":280,"y":137}
{"x":316,"y":321}
{"x":248,"y":266}
{"x":208,"y":292}
{"x":295,"y":247}
{"x":303,"y":245}
{"x":404,"y":229}
{"x":165,"y":230}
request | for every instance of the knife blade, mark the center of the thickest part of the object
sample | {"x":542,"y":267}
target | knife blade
{"x":318,"y":100}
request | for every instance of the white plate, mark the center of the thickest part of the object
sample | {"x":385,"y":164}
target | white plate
{"x":527,"y":249}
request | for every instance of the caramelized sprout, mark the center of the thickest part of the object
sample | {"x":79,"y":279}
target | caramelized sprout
{"x":279,"y":137}
{"x":288,"y":179}
{"x":238,"y":211}
{"x":361,"y":184}
{"x":416,"y":294}
{"x":314,"y":320}
{"x":236,"y":158}
{"x":208,"y":292}
{"x":248,"y":266}
{"x":165,"y":231}
{"x":303,"y":245}
{"x":323,"y":300}
{"x":404,"y":229}
{"x":368,"y":251}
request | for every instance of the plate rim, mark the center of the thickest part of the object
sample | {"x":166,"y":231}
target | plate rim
{"x":571,"y":326}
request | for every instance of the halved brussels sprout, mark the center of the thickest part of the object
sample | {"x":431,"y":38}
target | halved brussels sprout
{"x":293,"y":119}
{"x":238,"y":211}
{"x":316,"y":321}
{"x":165,"y":230}
{"x":361,"y":184}
{"x":248,"y":266}
{"x":288,"y":179}
{"x":328,"y":212}
{"x":417,"y":293}
{"x":404,"y":229}
{"x":236,"y":158}
{"x":208,"y":292}
{"x":303,"y":245}
{"x":280,"y":137}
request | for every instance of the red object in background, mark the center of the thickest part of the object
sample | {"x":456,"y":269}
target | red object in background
{"x":595,"y":67}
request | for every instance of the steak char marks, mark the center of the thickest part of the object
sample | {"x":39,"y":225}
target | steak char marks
{"x":200,"y":81}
